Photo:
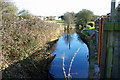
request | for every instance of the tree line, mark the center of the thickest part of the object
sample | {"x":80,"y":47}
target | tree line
{"x":80,"y":18}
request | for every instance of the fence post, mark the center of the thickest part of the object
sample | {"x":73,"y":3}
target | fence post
{"x":109,"y":54}
{"x":116,"y":56}
{"x":107,"y":45}
{"x":103,"y":55}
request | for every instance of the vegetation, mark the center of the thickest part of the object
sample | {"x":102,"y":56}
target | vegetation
{"x":24,"y":35}
{"x":84,"y":16}
{"x":59,"y":21}
{"x":7,"y":9}
{"x":69,"y":18}
{"x":25,"y":14}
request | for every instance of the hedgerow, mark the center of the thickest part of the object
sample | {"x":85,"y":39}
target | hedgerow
{"x":21,"y":37}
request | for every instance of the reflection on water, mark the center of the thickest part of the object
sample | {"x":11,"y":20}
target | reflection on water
{"x":68,"y":36}
{"x":71,"y":57}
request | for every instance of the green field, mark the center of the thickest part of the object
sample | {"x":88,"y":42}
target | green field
{"x":57,"y":21}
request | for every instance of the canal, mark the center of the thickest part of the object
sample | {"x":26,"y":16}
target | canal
{"x":72,"y":56}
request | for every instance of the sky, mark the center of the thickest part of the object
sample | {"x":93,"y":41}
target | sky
{"x":59,"y":7}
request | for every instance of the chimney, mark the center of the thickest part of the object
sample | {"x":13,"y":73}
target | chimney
{"x":113,"y":9}
{"x":118,"y":11}
{"x":113,"y":6}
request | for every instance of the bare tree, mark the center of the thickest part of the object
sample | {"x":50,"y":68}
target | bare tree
{"x":69,"y":18}
{"x":25,"y":14}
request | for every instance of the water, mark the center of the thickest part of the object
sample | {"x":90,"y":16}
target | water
{"x":68,"y":62}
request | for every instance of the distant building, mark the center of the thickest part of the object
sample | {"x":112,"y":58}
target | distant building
{"x":49,"y":18}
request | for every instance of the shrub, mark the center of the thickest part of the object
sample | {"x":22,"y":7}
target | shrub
{"x":7,"y":9}
{"x":21,"y":37}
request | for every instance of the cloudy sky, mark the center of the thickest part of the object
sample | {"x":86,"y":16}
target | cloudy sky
{"x":58,"y":7}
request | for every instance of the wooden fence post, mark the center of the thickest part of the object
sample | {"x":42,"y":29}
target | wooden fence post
{"x":109,"y":54}
{"x":103,"y":55}
{"x":99,"y":36}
